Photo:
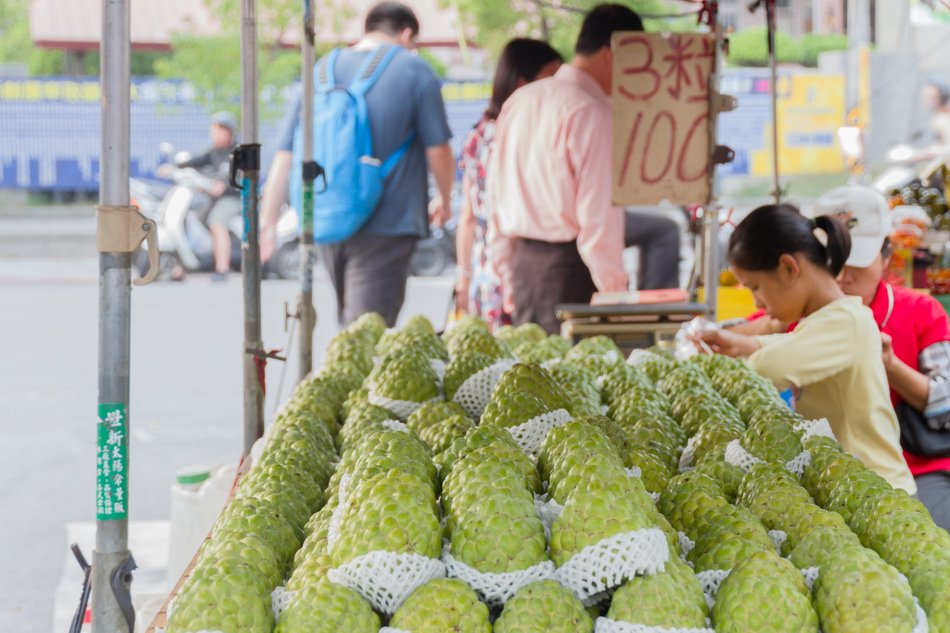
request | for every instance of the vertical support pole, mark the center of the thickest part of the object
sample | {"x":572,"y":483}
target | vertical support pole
{"x":773,"y":89}
{"x":111,"y":553}
{"x":250,"y":248}
{"x":306,"y":311}
{"x":711,"y":209}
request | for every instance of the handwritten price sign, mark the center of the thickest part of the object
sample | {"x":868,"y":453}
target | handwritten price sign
{"x":661,"y":119}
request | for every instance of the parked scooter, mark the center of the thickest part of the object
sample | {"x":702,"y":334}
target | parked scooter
{"x":435,"y":253}
{"x":181,"y":210}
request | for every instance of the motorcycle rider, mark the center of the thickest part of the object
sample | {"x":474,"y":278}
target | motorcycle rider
{"x":215,"y":164}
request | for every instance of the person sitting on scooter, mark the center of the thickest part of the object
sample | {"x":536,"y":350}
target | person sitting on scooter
{"x":215,"y":163}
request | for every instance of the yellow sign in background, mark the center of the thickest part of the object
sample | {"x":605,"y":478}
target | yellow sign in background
{"x":811,"y":108}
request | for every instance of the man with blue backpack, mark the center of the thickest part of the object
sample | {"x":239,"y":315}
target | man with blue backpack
{"x":379,"y":121}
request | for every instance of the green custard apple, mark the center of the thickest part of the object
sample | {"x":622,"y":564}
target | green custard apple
{"x":764,"y":593}
{"x":324,"y":607}
{"x":545,"y":606}
{"x":671,"y":598}
{"x":444,"y":604}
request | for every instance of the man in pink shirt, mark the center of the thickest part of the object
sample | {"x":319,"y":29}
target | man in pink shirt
{"x":556,"y":237}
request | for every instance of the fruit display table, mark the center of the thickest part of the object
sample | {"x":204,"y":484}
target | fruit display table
{"x":630,"y":326}
{"x":518,"y":483}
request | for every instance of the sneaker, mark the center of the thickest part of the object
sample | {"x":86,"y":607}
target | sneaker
{"x":218,"y":276}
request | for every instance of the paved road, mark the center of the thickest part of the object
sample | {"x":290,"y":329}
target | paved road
{"x":185,"y":402}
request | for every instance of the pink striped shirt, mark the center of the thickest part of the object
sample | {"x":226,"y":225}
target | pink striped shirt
{"x":550,"y":174}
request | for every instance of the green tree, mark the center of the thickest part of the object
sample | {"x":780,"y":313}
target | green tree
{"x":749,"y":47}
{"x":813,"y":44}
{"x":491,"y":23}
{"x":213,"y":64}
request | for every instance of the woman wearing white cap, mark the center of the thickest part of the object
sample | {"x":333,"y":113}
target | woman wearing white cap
{"x":916,"y":339}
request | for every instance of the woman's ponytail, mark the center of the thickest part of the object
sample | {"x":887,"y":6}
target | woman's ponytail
{"x":771,"y":231}
{"x":836,"y":242}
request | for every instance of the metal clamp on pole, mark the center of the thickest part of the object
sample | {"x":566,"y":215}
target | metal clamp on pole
{"x":244,"y":158}
{"x":726,"y":103}
{"x":263,"y":354}
{"x":121,"y":581}
{"x":313,"y":170}
{"x":723,"y":155}
{"x":77,"y":622}
{"x":122,"y":229}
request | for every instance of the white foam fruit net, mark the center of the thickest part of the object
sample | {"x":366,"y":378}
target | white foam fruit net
{"x":495,"y":589}
{"x":810,"y":574}
{"x":389,"y":629}
{"x":611,"y":561}
{"x":257,"y":448}
{"x":921,"y":626}
{"x":639,"y":356}
{"x":395,"y":425}
{"x":778,"y":539}
{"x":280,"y":599}
{"x":710,"y":580}
{"x":548,"y":511}
{"x":686,"y":544}
{"x":606,"y":625}
{"x":530,"y":435}
{"x":402,"y":408}
{"x":474,"y":394}
{"x":799,"y":463}
{"x":385,"y":579}
{"x":438,"y":366}
{"x":812,"y":428}
{"x":688,"y":454}
{"x":336,"y":517}
{"x":738,"y":456}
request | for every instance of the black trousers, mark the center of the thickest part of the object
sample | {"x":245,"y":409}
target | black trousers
{"x":543,"y":275}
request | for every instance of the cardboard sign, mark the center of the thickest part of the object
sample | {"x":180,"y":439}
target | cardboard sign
{"x":661,"y":147}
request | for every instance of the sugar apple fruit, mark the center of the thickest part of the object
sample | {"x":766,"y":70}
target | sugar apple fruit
{"x":392,"y":512}
{"x":764,"y":593}
{"x":324,"y":607}
{"x":225,"y":595}
{"x":444,"y":604}
{"x":462,"y":367}
{"x":405,"y":375}
{"x":856,"y":591}
{"x":432,"y":413}
{"x":545,"y":606}
{"x":672,"y":598}
{"x":606,"y":508}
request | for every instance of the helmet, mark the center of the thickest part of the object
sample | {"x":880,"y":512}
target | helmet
{"x":226,"y":120}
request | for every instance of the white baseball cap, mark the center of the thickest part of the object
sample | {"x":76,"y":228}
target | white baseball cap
{"x":868,"y":216}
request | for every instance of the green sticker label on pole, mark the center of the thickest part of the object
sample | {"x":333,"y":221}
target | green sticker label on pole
{"x":308,"y":207}
{"x":112,"y":463}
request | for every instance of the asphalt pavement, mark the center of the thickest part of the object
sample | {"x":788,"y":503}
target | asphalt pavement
{"x":185,"y":405}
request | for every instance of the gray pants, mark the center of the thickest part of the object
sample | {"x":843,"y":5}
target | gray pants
{"x":225,"y":208}
{"x":658,"y":239}
{"x":369,"y":274}
{"x":933,"y":490}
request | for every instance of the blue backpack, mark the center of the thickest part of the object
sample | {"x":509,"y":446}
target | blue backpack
{"x":343,"y":145}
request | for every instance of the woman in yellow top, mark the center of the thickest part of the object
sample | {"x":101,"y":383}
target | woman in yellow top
{"x":833,"y":357}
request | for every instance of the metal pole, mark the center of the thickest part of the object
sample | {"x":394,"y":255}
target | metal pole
{"x":306,"y":311}
{"x":250,"y":251}
{"x":773,"y":89}
{"x":711,"y":210}
{"x":112,"y":553}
